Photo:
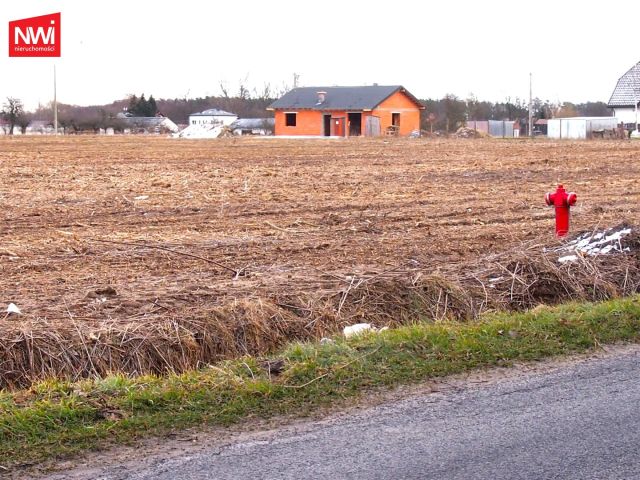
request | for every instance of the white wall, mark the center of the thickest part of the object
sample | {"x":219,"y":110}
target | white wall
{"x":578,"y":128}
{"x":625,"y":115}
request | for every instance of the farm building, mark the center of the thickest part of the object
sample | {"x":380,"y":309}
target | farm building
{"x":496,"y":128}
{"x":626,"y":96}
{"x":157,"y":124}
{"x":540,"y":126}
{"x":347,"y":111}
{"x":212,"y":116}
{"x":577,"y":128}
{"x":253,"y":126}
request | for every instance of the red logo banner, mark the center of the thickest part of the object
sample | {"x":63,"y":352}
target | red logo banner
{"x":35,"y":37}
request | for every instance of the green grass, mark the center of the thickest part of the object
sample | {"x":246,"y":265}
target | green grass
{"x":56,"y":418}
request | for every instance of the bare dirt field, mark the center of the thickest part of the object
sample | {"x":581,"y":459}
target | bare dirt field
{"x":147,"y":254}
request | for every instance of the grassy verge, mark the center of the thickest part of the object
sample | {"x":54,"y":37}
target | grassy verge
{"x":60,"y":418}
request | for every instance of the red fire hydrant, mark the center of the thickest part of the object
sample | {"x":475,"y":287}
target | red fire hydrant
{"x":562,"y":201}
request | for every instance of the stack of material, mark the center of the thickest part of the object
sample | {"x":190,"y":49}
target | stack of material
{"x":465,"y":132}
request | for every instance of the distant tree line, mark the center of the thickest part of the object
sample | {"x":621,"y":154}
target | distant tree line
{"x":246,"y":103}
{"x":450,"y":112}
{"x":445,"y":114}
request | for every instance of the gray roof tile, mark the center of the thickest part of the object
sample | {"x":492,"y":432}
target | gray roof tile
{"x":253,"y":123}
{"x":623,"y":95}
{"x":338,"y":98}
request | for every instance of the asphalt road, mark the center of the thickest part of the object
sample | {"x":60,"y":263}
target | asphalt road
{"x":581,"y":421}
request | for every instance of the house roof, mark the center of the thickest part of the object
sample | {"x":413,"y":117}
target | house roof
{"x":339,"y":98}
{"x":149,"y":122}
{"x":623,"y":95}
{"x":213,"y":112}
{"x":253,"y":123}
{"x":144,"y":121}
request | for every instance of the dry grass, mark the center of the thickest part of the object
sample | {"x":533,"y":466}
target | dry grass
{"x":243,"y":245}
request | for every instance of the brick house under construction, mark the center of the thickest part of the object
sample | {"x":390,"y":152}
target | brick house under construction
{"x":347,"y":111}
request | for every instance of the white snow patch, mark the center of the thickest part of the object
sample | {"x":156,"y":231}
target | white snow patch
{"x":595,"y":243}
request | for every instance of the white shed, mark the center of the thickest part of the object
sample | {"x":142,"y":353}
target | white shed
{"x":576,"y":128}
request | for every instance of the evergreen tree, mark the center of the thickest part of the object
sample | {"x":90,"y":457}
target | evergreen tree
{"x":152,"y":107}
{"x":133,"y":105}
{"x":142,"y":107}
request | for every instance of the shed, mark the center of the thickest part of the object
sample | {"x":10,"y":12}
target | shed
{"x":576,"y":128}
{"x":253,"y":126}
{"x":157,"y":124}
{"x":495,"y":128}
{"x":347,"y":111}
{"x":540,"y":126}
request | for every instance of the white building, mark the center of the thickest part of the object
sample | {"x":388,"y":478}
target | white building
{"x":626,"y":95}
{"x":577,"y":128}
{"x":213,"y":116}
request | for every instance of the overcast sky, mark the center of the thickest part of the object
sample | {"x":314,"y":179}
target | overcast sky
{"x":187,"y":48}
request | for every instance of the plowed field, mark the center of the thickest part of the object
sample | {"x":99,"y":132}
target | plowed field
{"x":135,"y":234}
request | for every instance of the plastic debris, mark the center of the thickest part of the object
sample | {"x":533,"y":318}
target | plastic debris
{"x":360,"y":328}
{"x":357,"y":329}
{"x":141,"y":197}
{"x":13,"y":309}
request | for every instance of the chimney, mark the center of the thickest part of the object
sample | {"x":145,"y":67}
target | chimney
{"x":321,"y":97}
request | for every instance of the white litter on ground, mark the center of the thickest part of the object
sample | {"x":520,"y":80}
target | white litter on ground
{"x":360,"y":328}
{"x":357,"y":329}
{"x":595,"y":243}
{"x":568,"y":258}
{"x":12,"y":308}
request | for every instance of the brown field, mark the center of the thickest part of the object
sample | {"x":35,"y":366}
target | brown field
{"x":145,"y":254}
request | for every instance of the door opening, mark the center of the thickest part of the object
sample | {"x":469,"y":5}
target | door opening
{"x":327,"y":125}
{"x":355,"y":124}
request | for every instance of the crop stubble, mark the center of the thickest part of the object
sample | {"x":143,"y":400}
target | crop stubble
{"x":144,"y":254}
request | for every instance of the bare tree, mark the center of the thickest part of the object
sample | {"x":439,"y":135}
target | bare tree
{"x":265,"y":94}
{"x":23,"y":122}
{"x":12,"y":110}
{"x":224,"y":90}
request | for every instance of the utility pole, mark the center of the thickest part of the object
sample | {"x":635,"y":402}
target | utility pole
{"x":295,"y":80}
{"x":636,"y":89}
{"x":55,"y":103}
{"x":530,"y":106}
